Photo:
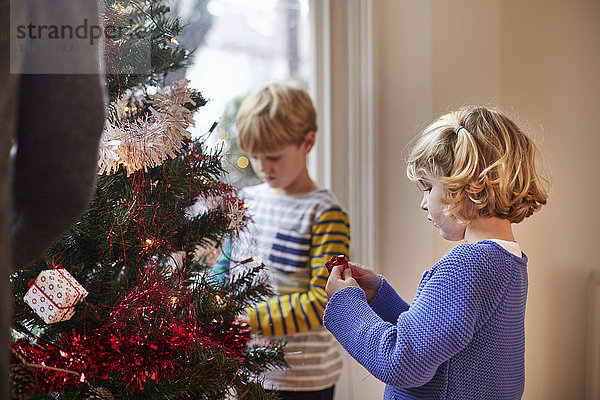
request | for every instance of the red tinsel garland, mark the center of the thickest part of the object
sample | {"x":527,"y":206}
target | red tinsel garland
{"x":149,"y":337}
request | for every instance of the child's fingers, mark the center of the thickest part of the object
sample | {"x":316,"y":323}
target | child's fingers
{"x":339,"y":279}
{"x":336,"y":272}
{"x":347,"y":274}
{"x":244,"y":318}
{"x":356,"y":266}
{"x":359,"y":268}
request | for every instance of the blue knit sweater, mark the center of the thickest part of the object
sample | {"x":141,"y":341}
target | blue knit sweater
{"x":463,"y":336}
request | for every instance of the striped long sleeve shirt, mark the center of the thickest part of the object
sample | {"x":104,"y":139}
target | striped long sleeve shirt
{"x":294,"y":236}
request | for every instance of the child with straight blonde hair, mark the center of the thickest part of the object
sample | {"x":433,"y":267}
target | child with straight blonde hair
{"x":296,"y":227}
{"x":275,"y":116}
{"x":463,"y":335}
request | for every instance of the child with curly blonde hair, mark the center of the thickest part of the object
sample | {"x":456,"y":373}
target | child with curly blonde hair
{"x":463,"y":335}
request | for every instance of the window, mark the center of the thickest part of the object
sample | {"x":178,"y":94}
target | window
{"x":244,"y":44}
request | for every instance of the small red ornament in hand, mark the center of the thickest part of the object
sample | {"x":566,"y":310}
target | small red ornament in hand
{"x":340,"y":260}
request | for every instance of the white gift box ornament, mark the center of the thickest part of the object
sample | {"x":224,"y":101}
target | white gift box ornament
{"x":54,"y":294}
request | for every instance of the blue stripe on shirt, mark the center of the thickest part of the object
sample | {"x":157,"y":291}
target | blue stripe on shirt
{"x":313,"y":306}
{"x":334,"y":210}
{"x":294,"y":314}
{"x":333,"y":221}
{"x":270,"y":318}
{"x":330,"y":242}
{"x":282,"y":317}
{"x":284,"y":249}
{"x":305,"y":316}
{"x":283,"y":271}
{"x":292,"y":239}
{"x":321,"y":303}
{"x":285,"y":261}
{"x":331,"y":233}
{"x":258,"y":318}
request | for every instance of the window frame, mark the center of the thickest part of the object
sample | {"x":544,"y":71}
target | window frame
{"x":343,"y":89}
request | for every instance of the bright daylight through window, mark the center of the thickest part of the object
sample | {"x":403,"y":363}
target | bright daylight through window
{"x":239,"y":45}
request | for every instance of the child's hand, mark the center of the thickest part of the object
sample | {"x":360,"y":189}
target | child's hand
{"x":339,"y":279}
{"x":244,"y":318}
{"x":368,"y":280}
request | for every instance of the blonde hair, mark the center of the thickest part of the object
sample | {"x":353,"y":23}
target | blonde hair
{"x":485,"y":163}
{"x":274,"y":116}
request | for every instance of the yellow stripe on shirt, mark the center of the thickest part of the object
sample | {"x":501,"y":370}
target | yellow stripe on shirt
{"x":330,"y":236}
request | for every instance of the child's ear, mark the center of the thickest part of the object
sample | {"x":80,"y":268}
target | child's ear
{"x":309,"y":141}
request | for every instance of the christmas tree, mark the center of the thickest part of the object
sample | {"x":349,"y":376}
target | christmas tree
{"x":122,"y":306}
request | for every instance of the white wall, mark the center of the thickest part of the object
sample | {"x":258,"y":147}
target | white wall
{"x":541,"y":60}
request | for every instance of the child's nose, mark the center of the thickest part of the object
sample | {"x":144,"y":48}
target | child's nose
{"x":265,"y":165}
{"x":424,"y":202}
